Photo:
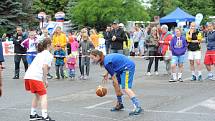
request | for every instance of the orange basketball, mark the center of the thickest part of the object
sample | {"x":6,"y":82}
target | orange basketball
{"x":101,"y":91}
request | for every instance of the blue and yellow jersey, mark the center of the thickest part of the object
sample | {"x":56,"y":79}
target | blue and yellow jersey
{"x":116,"y":63}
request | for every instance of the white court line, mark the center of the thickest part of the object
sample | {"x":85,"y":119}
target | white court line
{"x":194,"y":106}
{"x":99,"y":104}
{"x":209,"y":104}
{"x":157,"y":111}
{"x":62,"y":112}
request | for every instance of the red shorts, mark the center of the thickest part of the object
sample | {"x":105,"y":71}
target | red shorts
{"x":209,"y":57}
{"x":35,"y":86}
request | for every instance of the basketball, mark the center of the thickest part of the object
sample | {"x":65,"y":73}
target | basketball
{"x":101,"y":91}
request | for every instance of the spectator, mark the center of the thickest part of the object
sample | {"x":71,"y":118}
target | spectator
{"x":152,"y":44}
{"x":210,"y":53}
{"x":71,"y":62}
{"x":107,"y":37}
{"x":178,"y":47}
{"x":94,"y":37}
{"x":85,"y":47}
{"x":118,"y":37}
{"x":59,"y":55}
{"x":137,"y":36}
{"x":59,"y":38}
{"x":194,"y":39}
{"x":20,"y":52}
{"x":165,"y":39}
{"x":1,"y":67}
{"x":31,"y":45}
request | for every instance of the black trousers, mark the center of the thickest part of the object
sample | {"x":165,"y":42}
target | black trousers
{"x":17,"y":59}
{"x":151,"y":59}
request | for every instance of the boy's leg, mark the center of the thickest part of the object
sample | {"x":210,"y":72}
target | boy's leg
{"x":87,"y":66}
{"x":57,"y":71}
{"x":61,"y":71}
{"x":44,"y":106}
{"x":34,"y":116}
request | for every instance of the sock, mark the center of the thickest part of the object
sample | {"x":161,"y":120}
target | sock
{"x":179,"y":75}
{"x":119,"y":99}
{"x":199,"y":73}
{"x":44,"y":113}
{"x":33,"y":111}
{"x":135,"y":102}
{"x":174,"y":76}
{"x":193,"y":73}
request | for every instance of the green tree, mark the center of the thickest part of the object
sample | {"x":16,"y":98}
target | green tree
{"x":163,"y":7}
{"x":11,"y":14}
{"x":99,"y":13}
{"x":50,"y":7}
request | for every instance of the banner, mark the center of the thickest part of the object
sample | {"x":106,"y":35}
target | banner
{"x":8,"y":48}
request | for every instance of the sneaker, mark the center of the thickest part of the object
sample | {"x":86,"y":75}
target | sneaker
{"x":118,"y":107}
{"x":57,"y":77}
{"x":200,"y":78}
{"x":85,"y":77}
{"x":136,"y":111}
{"x":193,"y":78}
{"x":81,"y":77}
{"x":16,"y":77}
{"x":172,"y":80}
{"x":180,"y":80}
{"x":47,"y":119}
{"x":212,"y":78}
{"x":35,"y":117}
{"x":156,"y":73}
{"x":49,"y":76}
{"x":148,"y":74}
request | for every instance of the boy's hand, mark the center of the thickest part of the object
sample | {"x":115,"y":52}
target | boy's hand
{"x":46,"y":84}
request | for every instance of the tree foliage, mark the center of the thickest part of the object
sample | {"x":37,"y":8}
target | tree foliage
{"x":11,"y":14}
{"x":163,"y":7}
{"x":50,"y":7}
{"x":99,"y":13}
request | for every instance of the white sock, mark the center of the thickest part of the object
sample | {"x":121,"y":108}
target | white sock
{"x":174,"y":76}
{"x":193,"y":73}
{"x":44,"y":113}
{"x":33,"y":111}
{"x":200,"y":73}
{"x":179,"y":75}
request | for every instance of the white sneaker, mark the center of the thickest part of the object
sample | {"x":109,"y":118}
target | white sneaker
{"x":148,"y":74}
{"x":85,"y":77}
{"x":156,"y":73}
{"x":81,"y":77}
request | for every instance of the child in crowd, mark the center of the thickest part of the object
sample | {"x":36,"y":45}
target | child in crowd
{"x":71,"y":62}
{"x":30,"y":44}
{"x":85,"y":48}
{"x":59,"y":55}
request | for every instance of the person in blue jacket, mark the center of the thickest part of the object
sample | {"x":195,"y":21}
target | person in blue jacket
{"x":122,"y":71}
{"x":1,"y":60}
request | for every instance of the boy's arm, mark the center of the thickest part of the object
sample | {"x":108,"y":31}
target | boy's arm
{"x":45,"y":72}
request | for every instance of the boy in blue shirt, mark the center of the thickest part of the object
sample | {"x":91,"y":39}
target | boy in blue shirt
{"x":122,"y":71}
{"x":59,"y":55}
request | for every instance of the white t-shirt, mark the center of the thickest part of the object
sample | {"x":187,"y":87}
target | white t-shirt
{"x":32,"y":45}
{"x":35,"y":70}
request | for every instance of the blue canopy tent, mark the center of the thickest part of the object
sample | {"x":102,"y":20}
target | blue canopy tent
{"x":177,"y":15}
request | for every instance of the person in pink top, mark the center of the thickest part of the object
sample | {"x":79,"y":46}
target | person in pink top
{"x":74,"y":45}
{"x":71,"y":62}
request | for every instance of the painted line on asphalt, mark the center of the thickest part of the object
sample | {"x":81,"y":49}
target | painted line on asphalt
{"x":99,"y":104}
{"x":63,"y":112}
{"x":196,"y":105}
{"x":157,"y":111}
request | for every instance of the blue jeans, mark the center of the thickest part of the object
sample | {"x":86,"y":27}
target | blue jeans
{"x":71,"y":72}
